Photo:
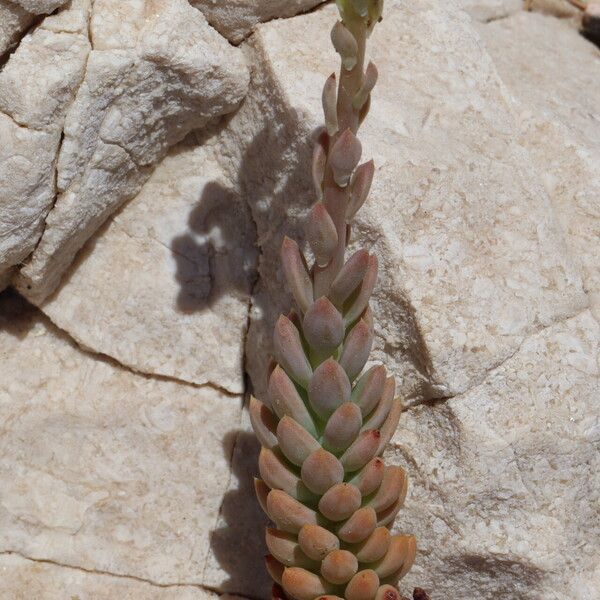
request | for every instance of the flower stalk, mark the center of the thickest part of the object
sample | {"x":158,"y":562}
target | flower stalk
{"x":327,"y":418}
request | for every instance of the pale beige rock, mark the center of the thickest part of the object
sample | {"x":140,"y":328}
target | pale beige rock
{"x":472,"y":259}
{"x":554,"y":75}
{"x":23,"y":579}
{"x":26,"y":189}
{"x":133,"y":104}
{"x":165,"y":287}
{"x":103,"y":469}
{"x":37,"y":85}
{"x":14,"y":20}
{"x":39,"y":7}
{"x":505,"y":490}
{"x":235,"y":19}
{"x":490,"y":10}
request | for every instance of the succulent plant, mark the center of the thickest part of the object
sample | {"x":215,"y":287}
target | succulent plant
{"x":326,"y":419}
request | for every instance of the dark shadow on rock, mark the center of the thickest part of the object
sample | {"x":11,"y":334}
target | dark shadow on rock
{"x":17,"y":316}
{"x":238,"y":542}
{"x":216,"y":256}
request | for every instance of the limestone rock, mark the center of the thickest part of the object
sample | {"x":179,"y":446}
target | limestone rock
{"x":165,"y":287}
{"x":39,"y":7}
{"x":23,"y":578}
{"x":505,"y":492}
{"x":236,"y":18}
{"x":490,"y":10}
{"x":100,"y":468}
{"x":171,"y":75}
{"x":37,"y":85}
{"x":14,"y":20}
{"x":472,"y":258}
{"x":560,"y":122}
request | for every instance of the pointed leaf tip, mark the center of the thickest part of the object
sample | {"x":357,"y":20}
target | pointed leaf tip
{"x":344,"y":157}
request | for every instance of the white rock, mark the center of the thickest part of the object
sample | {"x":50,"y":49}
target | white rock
{"x":23,"y":578}
{"x":505,"y":490}
{"x":40,"y":7}
{"x":26,"y":189}
{"x":103,"y":469}
{"x":37,"y":85}
{"x":165,"y":287}
{"x":490,"y":10}
{"x":235,"y":19}
{"x":133,"y":104}
{"x":472,"y":259}
{"x":560,"y":121}
{"x":14,"y":20}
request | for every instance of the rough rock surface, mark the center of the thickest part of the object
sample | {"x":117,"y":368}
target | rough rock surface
{"x":506,"y":478}
{"x":37,"y":85}
{"x":21,"y":578}
{"x":560,"y":121}
{"x":14,"y":20}
{"x":484,"y":212}
{"x":157,"y":71}
{"x":39,"y":7}
{"x":186,"y":260}
{"x":490,"y":10}
{"x":103,"y":469}
{"x":472,"y":258}
{"x":235,"y":19}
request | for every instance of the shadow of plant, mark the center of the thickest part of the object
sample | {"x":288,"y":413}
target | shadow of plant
{"x":238,"y":542}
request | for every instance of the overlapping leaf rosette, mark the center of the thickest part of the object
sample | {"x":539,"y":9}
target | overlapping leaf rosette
{"x":327,"y":419}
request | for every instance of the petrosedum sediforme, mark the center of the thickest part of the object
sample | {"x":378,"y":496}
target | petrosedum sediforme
{"x":326,"y":420}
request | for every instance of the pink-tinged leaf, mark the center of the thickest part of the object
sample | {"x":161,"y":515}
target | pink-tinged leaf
{"x":275,"y":568}
{"x":286,"y":400}
{"x":317,"y":542}
{"x":364,"y":295}
{"x":402,"y":552}
{"x":296,"y":273}
{"x":285,"y":548}
{"x":391,"y":424}
{"x":339,"y":567}
{"x":356,"y":350}
{"x":345,"y":45}
{"x":359,"y":526}
{"x":369,"y":389}
{"x":369,"y":478}
{"x":289,"y":514}
{"x":393,"y":487}
{"x":262,"y":491}
{"x":321,"y":234}
{"x":339,"y":502}
{"x":304,"y":585}
{"x":369,"y":81}
{"x":344,"y":157}
{"x":360,"y":187}
{"x":361,"y":451}
{"x":329,"y":99}
{"x":294,"y":441}
{"x":350,"y":277}
{"x":343,"y":427}
{"x":263,"y":422}
{"x":375,"y":546}
{"x":379,"y":415}
{"x":323,"y":326}
{"x":276,"y":474}
{"x":290,"y":353}
{"x":319,"y":162}
{"x":363,"y":586}
{"x":321,"y":470}
{"x":328,"y":388}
